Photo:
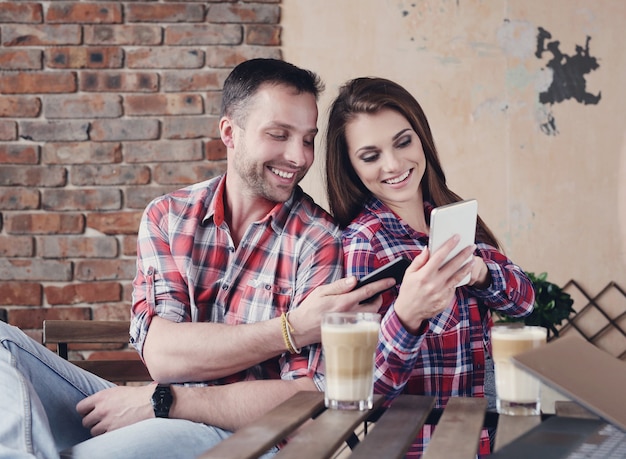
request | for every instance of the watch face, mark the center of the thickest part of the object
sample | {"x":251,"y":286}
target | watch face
{"x":162,"y":401}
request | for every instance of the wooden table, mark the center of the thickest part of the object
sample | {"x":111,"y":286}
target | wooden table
{"x":315,"y":432}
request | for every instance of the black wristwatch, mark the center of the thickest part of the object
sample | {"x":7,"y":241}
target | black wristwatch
{"x":162,"y":400}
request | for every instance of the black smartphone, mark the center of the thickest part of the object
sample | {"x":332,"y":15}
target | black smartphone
{"x":394,"y":268}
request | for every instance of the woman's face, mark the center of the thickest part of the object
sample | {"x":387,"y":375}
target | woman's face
{"x":387,"y":155}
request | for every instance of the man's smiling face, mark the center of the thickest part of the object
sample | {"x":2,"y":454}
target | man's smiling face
{"x":274,"y":148}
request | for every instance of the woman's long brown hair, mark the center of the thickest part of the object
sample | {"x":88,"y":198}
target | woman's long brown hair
{"x":345,"y":191}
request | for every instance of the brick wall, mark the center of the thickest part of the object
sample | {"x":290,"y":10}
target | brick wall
{"x":104,"y":106}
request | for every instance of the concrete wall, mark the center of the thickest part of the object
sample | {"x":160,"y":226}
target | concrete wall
{"x":549,"y":171}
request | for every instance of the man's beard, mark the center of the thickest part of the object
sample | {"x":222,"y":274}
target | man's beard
{"x":254,"y":176}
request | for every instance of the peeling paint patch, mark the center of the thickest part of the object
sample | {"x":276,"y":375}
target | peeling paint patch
{"x":567,"y":76}
{"x":568,"y":81}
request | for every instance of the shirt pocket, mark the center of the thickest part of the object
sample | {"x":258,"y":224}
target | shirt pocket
{"x":262,"y":301}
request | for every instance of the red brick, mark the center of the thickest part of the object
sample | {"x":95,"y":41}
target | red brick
{"x":190,"y":127}
{"x":17,"y":246}
{"x":85,"y":199}
{"x":20,"y":106}
{"x":84,"y":13}
{"x":77,"y":247}
{"x":192,"y":80}
{"x":124,"y":129}
{"x":8,"y":130}
{"x":45,"y":223}
{"x":129,"y":245}
{"x":34,"y":317}
{"x":163,"y":104}
{"x":141,"y":152}
{"x":81,"y":57}
{"x":92,"y":269}
{"x":35,"y":270}
{"x":14,"y":12}
{"x":36,"y":176}
{"x":41,"y":35}
{"x":140,"y":35}
{"x":114,"y":311}
{"x":81,"y":153}
{"x":17,"y":198}
{"x":215,"y":150}
{"x":146,"y":12}
{"x":91,"y":292}
{"x":127,"y":294}
{"x":54,"y":131}
{"x":247,"y":14}
{"x":263,"y":35}
{"x":229,"y":56}
{"x":21,"y":59}
{"x":118,"y":81}
{"x":20,"y":294}
{"x":83,"y":106}
{"x":38,"y":82}
{"x":138,"y":197}
{"x":106,"y":174}
{"x":17,"y":153}
{"x":203,"y":34}
{"x":115,"y":222}
{"x":187,"y":173}
{"x":213,"y":103}
{"x":164,"y":58}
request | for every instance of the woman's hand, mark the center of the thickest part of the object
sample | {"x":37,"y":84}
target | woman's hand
{"x":428,"y":288}
{"x":481,"y":277}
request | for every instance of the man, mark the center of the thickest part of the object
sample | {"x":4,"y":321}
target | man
{"x":233,"y":276}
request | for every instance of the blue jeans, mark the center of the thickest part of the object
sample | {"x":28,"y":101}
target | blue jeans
{"x":39,"y":419}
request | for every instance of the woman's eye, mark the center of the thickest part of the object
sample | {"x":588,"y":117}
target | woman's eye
{"x":404,"y":142}
{"x":369,"y":158}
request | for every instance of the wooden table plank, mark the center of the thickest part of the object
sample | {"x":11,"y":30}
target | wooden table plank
{"x":457,"y":433}
{"x":511,"y":427}
{"x":256,"y":438}
{"x":323,"y":436}
{"x":396,"y":429}
{"x":570,"y":409}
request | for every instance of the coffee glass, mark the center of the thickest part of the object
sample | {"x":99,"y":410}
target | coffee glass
{"x":517,"y":391}
{"x":349,"y":341}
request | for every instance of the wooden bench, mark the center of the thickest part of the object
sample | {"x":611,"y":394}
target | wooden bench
{"x":64,"y":333}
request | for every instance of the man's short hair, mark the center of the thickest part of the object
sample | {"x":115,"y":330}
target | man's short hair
{"x":246,"y":78}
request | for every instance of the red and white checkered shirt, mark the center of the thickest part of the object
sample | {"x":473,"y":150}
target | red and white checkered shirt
{"x":189,"y":270}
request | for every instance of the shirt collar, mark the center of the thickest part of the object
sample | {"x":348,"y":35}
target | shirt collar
{"x":277,"y":217}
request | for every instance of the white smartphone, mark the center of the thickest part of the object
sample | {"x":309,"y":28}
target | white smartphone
{"x":456,"y":218}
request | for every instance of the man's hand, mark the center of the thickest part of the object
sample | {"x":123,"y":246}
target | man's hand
{"x":116,"y":407}
{"x":338,"y":296}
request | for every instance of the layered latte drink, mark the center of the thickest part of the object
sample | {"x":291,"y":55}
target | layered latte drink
{"x":518,"y":393}
{"x":349,"y":342}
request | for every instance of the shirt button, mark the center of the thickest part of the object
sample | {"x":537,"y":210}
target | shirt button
{"x":225,"y":287}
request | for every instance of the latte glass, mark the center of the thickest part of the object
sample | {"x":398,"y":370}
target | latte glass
{"x":517,"y":391}
{"x":349,"y":341}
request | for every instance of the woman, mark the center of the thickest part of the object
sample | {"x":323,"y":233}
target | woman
{"x":383,"y":180}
